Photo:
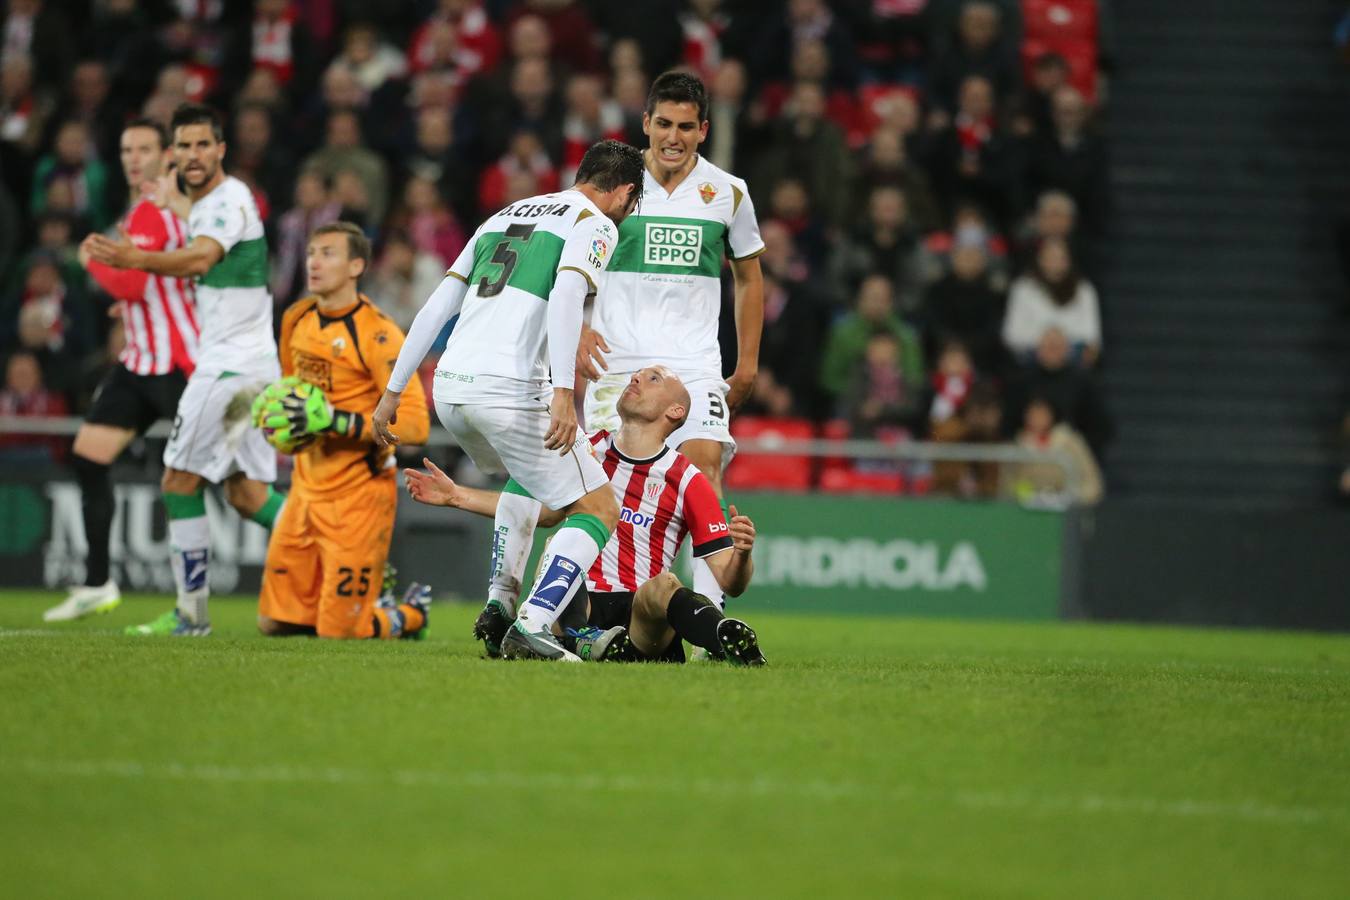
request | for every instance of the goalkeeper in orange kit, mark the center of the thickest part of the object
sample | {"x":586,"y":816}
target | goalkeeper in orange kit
{"x":325,"y":561}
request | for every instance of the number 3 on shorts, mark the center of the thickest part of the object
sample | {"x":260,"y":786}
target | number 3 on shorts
{"x":715,"y":406}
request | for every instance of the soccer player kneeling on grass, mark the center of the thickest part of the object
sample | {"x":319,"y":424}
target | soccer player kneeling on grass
{"x":325,"y":562}
{"x":662,"y":498}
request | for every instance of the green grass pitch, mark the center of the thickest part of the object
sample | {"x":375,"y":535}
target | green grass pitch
{"x":872,"y":758}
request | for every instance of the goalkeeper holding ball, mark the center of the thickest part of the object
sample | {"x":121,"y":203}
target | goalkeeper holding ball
{"x":325,"y":562}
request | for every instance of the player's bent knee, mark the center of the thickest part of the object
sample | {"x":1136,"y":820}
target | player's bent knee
{"x":176,"y":481}
{"x":245,"y":495}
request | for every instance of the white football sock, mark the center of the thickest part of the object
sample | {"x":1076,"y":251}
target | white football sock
{"x":512,"y":540}
{"x":562,"y":572}
{"x":705,"y":583}
{"x":190,"y":556}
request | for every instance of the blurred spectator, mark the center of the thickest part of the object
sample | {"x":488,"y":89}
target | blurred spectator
{"x":790,"y":204}
{"x":965,"y":306}
{"x":72,"y":178}
{"x":436,"y":157}
{"x":799,"y":21}
{"x":429,"y":221}
{"x":1042,"y":430}
{"x":1049,"y":73}
{"x":24,"y":395}
{"x":796,"y":314}
{"x":1071,"y":390}
{"x":571,"y":33}
{"x":880,"y":396}
{"x":971,"y":157}
{"x":979,"y":422}
{"x":702,"y":25}
{"x":1052,"y":295}
{"x":952,"y":380}
{"x":344,"y":151}
{"x":886,"y":243}
{"x":87,"y":101}
{"x":969,"y":218}
{"x":847,"y":341}
{"x":48,"y":316}
{"x":590,"y":117}
{"x":1072,"y":159}
{"x":37,"y":29}
{"x":885,"y":161}
{"x":271,"y":40}
{"x":24,"y":112}
{"x":463,"y":26}
{"x":806,"y":145}
{"x":525,"y":158}
{"x":531,"y":103}
{"x":728,"y":122}
{"x":1055,"y":215}
{"x":313,"y":206}
{"x":977,"y":51}
{"x":259,"y":161}
{"x":370,"y":58}
{"x":403,"y":279}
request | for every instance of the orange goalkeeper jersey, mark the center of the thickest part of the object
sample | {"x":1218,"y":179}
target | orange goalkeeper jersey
{"x":349,"y":354}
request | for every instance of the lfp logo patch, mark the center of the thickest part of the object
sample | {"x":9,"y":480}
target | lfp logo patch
{"x":599,"y":250}
{"x":673,"y":245}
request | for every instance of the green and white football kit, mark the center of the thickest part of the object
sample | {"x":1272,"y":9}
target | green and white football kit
{"x":237,"y":349}
{"x":663,"y":297}
{"x":495,"y":381}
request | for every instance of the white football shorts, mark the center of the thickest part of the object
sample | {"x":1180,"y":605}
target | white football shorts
{"x":510,"y":441}
{"x":198,"y":442}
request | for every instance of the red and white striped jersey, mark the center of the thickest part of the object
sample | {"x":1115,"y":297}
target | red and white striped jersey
{"x":661,"y":500}
{"x":157,"y":311}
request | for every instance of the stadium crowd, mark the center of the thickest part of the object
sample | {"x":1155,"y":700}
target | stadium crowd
{"x":929,"y":182}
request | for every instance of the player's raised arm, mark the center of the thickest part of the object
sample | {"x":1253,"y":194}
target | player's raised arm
{"x":435,"y":488}
{"x":726,"y":546}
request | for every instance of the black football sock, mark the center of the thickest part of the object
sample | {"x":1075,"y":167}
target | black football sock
{"x":694,"y":618}
{"x":96,"y":502}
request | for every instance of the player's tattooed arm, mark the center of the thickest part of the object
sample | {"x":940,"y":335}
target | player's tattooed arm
{"x":749,"y":327}
{"x":733,"y":569}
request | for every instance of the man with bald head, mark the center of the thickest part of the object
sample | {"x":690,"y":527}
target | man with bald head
{"x":662,"y":497}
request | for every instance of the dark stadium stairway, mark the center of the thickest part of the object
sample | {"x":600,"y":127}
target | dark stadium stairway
{"x":1226,"y":329}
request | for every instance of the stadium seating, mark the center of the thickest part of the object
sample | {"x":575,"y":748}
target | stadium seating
{"x":758,"y":471}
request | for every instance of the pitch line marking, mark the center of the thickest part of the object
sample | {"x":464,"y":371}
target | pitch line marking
{"x":815,"y":789}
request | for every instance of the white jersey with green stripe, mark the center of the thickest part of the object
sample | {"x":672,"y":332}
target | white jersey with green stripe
{"x":499,"y":348}
{"x":234,"y":305}
{"x":663,"y":295}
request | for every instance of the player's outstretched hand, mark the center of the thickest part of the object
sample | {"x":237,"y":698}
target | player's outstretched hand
{"x":562,"y":422}
{"x":742,"y":531}
{"x":119,"y":253}
{"x":590,"y":359}
{"x":386,"y":414}
{"x":432,"y":487}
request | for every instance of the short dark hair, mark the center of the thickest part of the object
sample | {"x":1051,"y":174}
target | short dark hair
{"x":678,"y":87}
{"x":197,"y":114}
{"x":153,"y":125}
{"x":358,"y":245}
{"x":610,"y":164}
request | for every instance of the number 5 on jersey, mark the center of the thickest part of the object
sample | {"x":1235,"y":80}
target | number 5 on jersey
{"x":506,"y":256}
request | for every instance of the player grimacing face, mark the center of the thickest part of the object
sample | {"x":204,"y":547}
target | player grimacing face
{"x":675,"y":132}
{"x":652,"y":393}
{"x":142,"y":156}
{"x":197,"y":153}
{"x":328,"y":265}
